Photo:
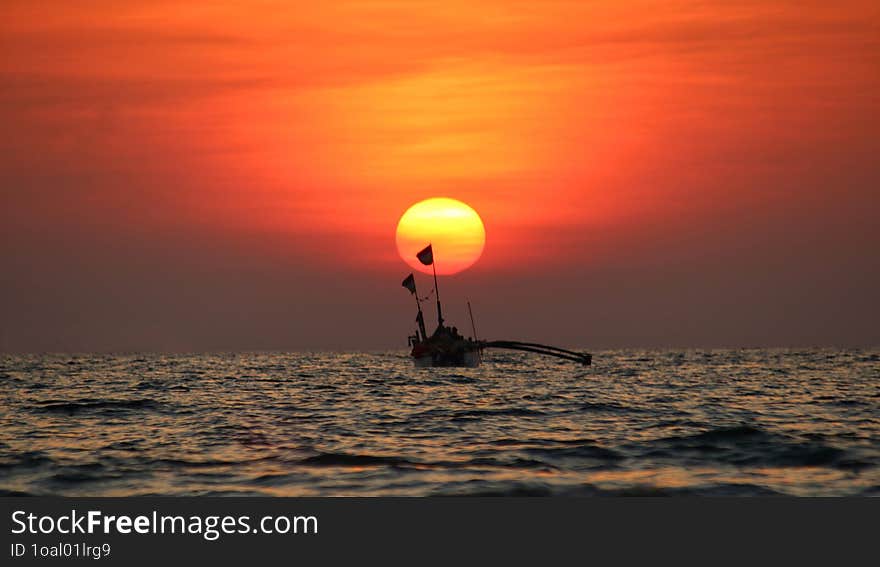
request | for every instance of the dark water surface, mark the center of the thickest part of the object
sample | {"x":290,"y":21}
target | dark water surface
{"x":726,"y":422}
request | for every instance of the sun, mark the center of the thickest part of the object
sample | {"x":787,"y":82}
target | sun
{"x":453,"y":228}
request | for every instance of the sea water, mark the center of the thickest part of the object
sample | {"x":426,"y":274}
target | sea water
{"x":683,"y":422}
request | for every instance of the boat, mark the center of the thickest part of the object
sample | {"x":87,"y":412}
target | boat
{"x":446,"y":347}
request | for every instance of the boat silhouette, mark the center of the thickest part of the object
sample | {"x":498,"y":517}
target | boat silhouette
{"x":446,"y":347}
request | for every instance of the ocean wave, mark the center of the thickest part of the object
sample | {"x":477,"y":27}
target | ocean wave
{"x":702,"y":490}
{"x":207,"y":463}
{"x":15,"y":493}
{"x":580,"y":451}
{"x":747,"y":445}
{"x":508,"y":463}
{"x":511,"y":489}
{"x":611,"y":407}
{"x":350,"y":460}
{"x":25,"y":460}
{"x":491,"y":412}
{"x":81,"y":405}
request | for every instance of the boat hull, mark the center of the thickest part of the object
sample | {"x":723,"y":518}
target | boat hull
{"x":464,"y":359}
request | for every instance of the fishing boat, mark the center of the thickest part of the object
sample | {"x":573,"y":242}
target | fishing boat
{"x":446,"y":347}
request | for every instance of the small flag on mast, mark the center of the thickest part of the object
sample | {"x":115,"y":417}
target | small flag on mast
{"x":410,"y":283}
{"x":426,"y":256}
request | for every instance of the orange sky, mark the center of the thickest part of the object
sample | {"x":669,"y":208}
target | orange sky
{"x":589,"y":136}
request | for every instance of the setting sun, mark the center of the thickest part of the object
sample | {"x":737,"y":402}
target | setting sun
{"x":453,"y":228}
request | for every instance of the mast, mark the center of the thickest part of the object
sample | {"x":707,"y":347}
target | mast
{"x":426,"y":257}
{"x":473,"y":327}
{"x":436,"y":291}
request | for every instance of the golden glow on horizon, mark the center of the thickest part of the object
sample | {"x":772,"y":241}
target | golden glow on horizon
{"x":453,"y":228}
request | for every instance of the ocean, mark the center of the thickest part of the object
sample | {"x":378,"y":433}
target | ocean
{"x":667,"y":423}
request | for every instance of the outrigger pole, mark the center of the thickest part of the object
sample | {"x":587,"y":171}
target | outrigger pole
{"x":583,"y":358}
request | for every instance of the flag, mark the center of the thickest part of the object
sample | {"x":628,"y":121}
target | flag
{"x":410,"y":283}
{"x":426,"y":256}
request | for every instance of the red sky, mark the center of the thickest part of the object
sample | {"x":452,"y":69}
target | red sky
{"x":228,"y":175}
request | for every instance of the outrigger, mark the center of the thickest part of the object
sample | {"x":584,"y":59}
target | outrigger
{"x":447,"y":347}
